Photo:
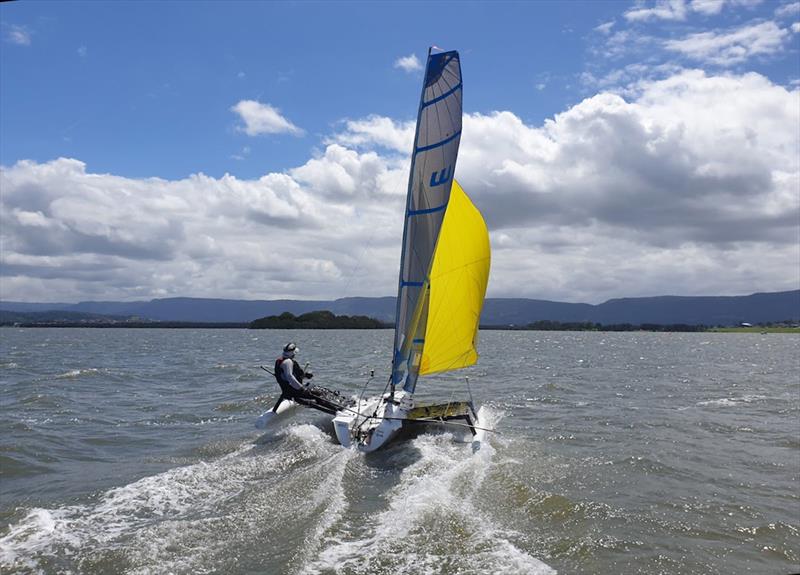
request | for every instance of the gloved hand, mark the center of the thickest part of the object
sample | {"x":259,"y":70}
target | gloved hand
{"x":309,"y":375}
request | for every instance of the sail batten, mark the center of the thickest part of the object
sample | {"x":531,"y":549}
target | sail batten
{"x":439,"y":144}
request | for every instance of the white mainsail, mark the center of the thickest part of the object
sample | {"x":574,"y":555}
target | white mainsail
{"x":433,"y":163}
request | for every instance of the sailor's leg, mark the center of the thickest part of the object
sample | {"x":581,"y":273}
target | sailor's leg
{"x":311,"y":399}
{"x":277,"y":403}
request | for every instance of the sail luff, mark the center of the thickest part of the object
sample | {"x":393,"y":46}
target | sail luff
{"x":397,"y":343}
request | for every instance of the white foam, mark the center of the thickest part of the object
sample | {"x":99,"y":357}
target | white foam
{"x":489,"y":417}
{"x":331,"y":492}
{"x":125,"y":512}
{"x":187,"y":519}
{"x":732,"y":401}
{"x":304,"y":486}
{"x":197,"y":518}
{"x":310,"y":434}
{"x":74,"y":373}
{"x":435,"y":493}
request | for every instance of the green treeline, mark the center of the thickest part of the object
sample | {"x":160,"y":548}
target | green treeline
{"x":316,"y":320}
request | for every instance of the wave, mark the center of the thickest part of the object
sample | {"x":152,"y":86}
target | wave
{"x":75,"y":373}
{"x":732,"y":401}
{"x":185,"y":519}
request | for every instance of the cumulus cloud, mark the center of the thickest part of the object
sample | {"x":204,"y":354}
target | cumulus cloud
{"x":687,"y":184}
{"x":14,"y":34}
{"x":707,"y":6}
{"x":625,"y":80}
{"x":68,"y":233}
{"x":605,"y":27}
{"x":377,"y":131}
{"x":408,"y":63}
{"x":788,"y":10}
{"x":711,"y":7}
{"x":262,"y":118}
{"x":734,"y":46}
{"x":656,"y":180}
{"x":679,"y":10}
{"x":662,"y":10}
{"x":624,"y":43}
{"x":660,"y":166}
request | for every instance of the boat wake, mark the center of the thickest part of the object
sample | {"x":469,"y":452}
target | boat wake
{"x":195,"y":519}
{"x":433,"y":522}
{"x":297,"y":504}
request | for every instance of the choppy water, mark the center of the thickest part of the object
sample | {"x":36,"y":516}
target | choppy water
{"x":133,"y":451}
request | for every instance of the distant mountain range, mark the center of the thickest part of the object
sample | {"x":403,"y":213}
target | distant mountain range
{"x":665,"y":310}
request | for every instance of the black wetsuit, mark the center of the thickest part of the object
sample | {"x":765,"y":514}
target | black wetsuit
{"x":319,"y":398}
{"x":287,"y":390}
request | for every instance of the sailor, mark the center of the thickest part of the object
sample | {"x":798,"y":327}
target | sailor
{"x":290,"y":377}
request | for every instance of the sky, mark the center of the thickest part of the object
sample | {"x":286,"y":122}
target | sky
{"x":261,"y":150}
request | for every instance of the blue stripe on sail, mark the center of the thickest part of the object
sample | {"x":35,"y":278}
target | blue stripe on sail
{"x":443,"y":96}
{"x":427,"y":210}
{"x":417,"y":341}
{"x":411,"y":284}
{"x":439,"y":144}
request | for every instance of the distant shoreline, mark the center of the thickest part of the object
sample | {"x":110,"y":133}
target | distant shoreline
{"x":132,"y":324}
{"x":726,"y":311}
{"x":212,"y":325}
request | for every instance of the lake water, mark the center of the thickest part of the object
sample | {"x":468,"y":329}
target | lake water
{"x":134,"y":451}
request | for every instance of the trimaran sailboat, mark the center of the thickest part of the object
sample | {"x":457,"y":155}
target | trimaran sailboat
{"x":444,"y":269}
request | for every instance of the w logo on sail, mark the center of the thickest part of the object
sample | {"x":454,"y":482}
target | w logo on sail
{"x":442,"y":177}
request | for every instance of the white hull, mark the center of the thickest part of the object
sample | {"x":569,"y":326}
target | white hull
{"x":480,"y":430}
{"x":378,"y":420}
{"x":269,"y":417}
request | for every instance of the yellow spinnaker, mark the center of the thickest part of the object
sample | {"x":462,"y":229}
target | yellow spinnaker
{"x":458,"y":277}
